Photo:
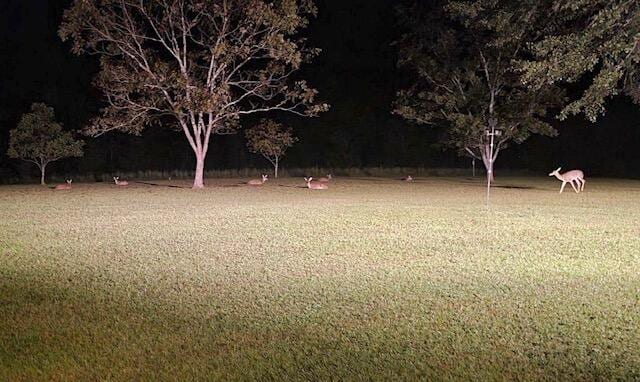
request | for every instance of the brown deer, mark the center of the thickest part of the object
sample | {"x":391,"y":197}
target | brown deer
{"x":325,"y":179}
{"x":64,"y":186}
{"x":258,"y":182}
{"x":570,"y":177}
{"x":119,"y":182}
{"x":315,"y":185}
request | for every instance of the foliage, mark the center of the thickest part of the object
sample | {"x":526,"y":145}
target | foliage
{"x":599,"y":38}
{"x":462,"y":55}
{"x":270,"y":139}
{"x":201,"y":64}
{"x":39,"y":139}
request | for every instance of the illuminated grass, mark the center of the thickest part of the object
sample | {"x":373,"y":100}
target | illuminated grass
{"x":371,"y":279}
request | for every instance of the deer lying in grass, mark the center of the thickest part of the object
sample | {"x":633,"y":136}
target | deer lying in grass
{"x":120,"y":182}
{"x":315,"y":185}
{"x":408,"y":178}
{"x":258,"y":182}
{"x":325,"y":179}
{"x":64,"y":186}
{"x":576,"y":176}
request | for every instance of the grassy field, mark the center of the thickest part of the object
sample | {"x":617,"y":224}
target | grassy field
{"x":373,"y":279}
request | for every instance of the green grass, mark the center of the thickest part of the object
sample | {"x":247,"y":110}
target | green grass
{"x":371,"y":279}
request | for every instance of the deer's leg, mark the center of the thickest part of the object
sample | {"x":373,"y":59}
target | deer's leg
{"x":574,"y":187}
{"x":562,"y":188}
{"x":583,"y":182}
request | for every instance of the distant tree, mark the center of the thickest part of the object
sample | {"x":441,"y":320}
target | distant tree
{"x":271,"y":140}
{"x":39,"y":139}
{"x":595,"y":37}
{"x":195,"y":65}
{"x":462,"y":54}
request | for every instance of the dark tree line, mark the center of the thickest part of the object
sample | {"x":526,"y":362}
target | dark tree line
{"x":356,"y":73}
{"x":488,"y":64}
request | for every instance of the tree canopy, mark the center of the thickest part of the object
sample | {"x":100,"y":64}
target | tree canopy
{"x":39,"y":139}
{"x":196,"y":65}
{"x":271,"y":140}
{"x":600,"y":38}
{"x":463,"y":59}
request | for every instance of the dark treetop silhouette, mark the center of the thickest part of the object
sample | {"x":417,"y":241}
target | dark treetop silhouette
{"x":463,"y":58}
{"x":356,"y":71}
{"x":589,"y":37}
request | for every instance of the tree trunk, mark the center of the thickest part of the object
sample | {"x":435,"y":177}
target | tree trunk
{"x":43,"y":167}
{"x":488,"y":164}
{"x":276,"y":167}
{"x":198,"y":181}
{"x":473,"y":166}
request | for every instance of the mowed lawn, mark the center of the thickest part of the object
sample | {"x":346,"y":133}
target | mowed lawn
{"x":373,"y":279}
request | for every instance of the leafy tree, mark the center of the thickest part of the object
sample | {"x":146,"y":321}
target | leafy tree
{"x":195,"y":65}
{"x":271,"y":140}
{"x":462,"y":54}
{"x":597,"y":37}
{"x":39,"y":139}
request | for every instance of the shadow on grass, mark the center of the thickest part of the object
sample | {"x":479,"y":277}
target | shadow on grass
{"x":517,"y":187}
{"x":291,"y":186}
{"x":58,"y":326}
{"x":375,"y":179}
{"x":45,"y":338}
{"x":483,"y":183}
{"x":160,"y":185}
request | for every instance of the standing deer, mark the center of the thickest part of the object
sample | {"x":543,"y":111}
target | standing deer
{"x":325,"y":179}
{"x":64,"y":186}
{"x":120,"y":182}
{"x":315,"y":185}
{"x":570,"y":177}
{"x":258,"y":182}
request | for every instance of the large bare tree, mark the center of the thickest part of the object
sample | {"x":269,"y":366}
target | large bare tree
{"x":195,"y":65}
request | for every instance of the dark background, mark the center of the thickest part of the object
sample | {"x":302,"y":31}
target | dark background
{"x":356,"y":74}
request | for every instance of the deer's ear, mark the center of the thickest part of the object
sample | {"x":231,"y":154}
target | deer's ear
{"x":558,"y":168}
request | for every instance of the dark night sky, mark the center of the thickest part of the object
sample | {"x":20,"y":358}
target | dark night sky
{"x":356,"y":74}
